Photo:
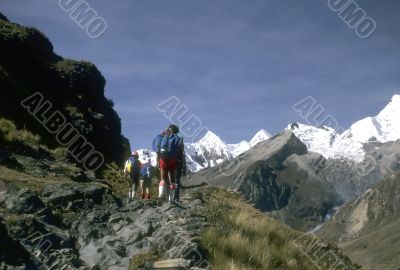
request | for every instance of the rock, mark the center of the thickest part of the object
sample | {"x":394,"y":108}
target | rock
{"x":84,"y":227}
{"x":174,"y":264}
{"x":25,"y":201}
{"x":76,"y":195}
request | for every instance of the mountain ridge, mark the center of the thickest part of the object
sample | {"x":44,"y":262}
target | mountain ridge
{"x":385,"y":127}
{"x":210,"y":150}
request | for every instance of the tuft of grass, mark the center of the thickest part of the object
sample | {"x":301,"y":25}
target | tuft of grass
{"x":144,"y":258}
{"x":73,"y":67}
{"x":242,"y":238}
{"x":60,"y":153}
{"x":9,"y":134}
{"x":114,"y":176}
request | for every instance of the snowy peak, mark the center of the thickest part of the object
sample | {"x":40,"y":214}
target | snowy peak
{"x":317,"y":140}
{"x":211,"y":150}
{"x":384,"y":127}
{"x":260,"y":136}
{"x":147,"y":155}
{"x":389,"y":120}
{"x":211,"y":139}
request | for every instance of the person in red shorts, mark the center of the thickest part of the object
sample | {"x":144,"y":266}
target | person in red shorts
{"x":172,"y":149}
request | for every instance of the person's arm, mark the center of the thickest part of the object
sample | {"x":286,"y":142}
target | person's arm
{"x":182,"y":157}
{"x":125,"y":167}
{"x":184,"y":164}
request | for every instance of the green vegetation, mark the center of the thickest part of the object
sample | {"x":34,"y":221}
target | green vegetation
{"x":71,"y":67}
{"x":114,"y":176}
{"x":9,"y":134}
{"x":147,"y":257}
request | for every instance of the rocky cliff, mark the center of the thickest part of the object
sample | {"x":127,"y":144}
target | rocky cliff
{"x":29,"y":65}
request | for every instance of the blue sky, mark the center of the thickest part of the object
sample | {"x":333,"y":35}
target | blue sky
{"x":239,"y":66}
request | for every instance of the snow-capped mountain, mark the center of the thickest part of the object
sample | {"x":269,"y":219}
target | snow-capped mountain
{"x":319,"y":140}
{"x":260,"y":136}
{"x":210,"y":150}
{"x":146,"y":155}
{"x":384,"y":127}
{"x":243,"y":146}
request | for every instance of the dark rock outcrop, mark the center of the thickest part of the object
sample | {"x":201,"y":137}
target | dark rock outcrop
{"x":23,"y":202}
{"x":4,"y":18}
{"x":28,"y":64}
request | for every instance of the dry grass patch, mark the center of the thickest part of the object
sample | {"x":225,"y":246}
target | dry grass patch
{"x":242,"y":238}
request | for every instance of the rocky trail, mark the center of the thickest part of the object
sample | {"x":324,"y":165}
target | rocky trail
{"x":84,"y":226}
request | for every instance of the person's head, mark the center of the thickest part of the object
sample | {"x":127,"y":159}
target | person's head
{"x":135,"y":154}
{"x":174,"y":129}
{"x":167,"y":132}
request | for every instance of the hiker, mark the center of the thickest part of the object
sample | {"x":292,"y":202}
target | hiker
{"x":157,"y":146}
{"x":132,"y":172}
{"x":171,"y":150}
{"x":145,"y":180}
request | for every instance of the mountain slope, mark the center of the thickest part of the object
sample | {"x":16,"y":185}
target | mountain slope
{"x":367,"y":228}
{"x":275,"y":176}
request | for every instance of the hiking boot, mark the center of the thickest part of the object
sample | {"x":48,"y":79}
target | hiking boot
{"x":172,"y":190}
{"x":160,"y":201}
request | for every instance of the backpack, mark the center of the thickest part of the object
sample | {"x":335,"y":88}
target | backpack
{"x":132,"y":165}
{"x":170,"y":145}
{"x":145,"y":171}
{"x":157,"y":143}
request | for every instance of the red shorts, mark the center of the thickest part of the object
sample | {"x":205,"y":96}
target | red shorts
{"x":168,"y":163}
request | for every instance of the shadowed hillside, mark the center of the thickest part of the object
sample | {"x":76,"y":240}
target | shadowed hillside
{"x":28,"y":65}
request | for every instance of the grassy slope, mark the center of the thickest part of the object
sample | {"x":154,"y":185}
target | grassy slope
{"x":241,"y":237}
